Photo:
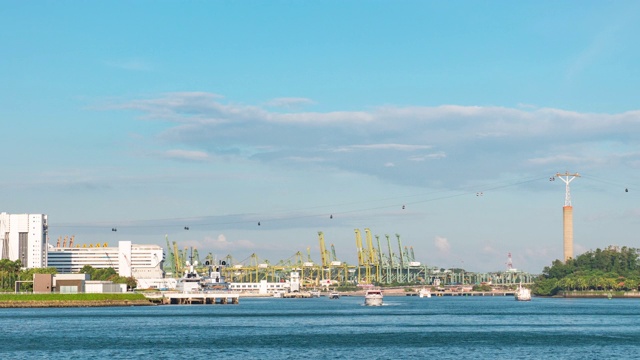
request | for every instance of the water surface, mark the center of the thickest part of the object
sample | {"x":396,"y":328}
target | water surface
{"x":320,"y":328}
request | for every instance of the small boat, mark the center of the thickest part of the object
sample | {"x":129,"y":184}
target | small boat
{"x":315,"y":293}
{"x":373,"y":298}
{"x":424,"y":292}
{"x":334,"y":295}
{"x":523,"y":294}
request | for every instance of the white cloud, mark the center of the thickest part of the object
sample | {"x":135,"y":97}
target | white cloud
{"x":438,"y":155}
{"x":399,"y":147}
{"x":290,"y":102}
{"x":491,"y":140}
{"x":186,"y":155}
{"x":442,"y":244}
{"x":221,"y":243}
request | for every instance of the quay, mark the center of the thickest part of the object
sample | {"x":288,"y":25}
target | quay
{"x":193,"y":298}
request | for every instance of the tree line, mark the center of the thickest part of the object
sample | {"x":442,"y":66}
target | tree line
{"x":610,"y":269}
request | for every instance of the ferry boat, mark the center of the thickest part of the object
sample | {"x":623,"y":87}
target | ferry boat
{"x":373,"y":298}
{"x":522,"y":293}
{"x":424,"y":292}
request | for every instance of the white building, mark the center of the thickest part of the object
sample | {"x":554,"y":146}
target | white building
{"x":24,"y":237}
{"x":138,"y":261}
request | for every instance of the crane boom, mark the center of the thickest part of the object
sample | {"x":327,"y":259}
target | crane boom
{"x":361,"y":257}
{"x":400,"y":249}
{"x":371,"y":252}
{"x":324,"y":254}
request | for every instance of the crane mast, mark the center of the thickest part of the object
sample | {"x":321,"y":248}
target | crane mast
{"x":362,"y":258}
{"x":324,"y":254}
{"x":390,"y":251}
{"x":372,"y":258}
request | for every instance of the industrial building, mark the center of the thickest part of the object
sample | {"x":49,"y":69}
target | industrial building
{"x":73,"y":284}
{"x":128,"y":260}
{"x":24,"y":237}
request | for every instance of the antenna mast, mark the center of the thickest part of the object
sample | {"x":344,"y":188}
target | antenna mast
{"x":509,"y":263}
{"x":565,"y":178}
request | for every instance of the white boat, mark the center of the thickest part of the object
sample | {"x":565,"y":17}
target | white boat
{"x":523,"y":294}
{"x":315,"y":293}
{"x":334,"y":295}
{"x":373,"y":298}
{"x":425,"y":293}
{"x":278,"y":294}
{"x":190,"y":280}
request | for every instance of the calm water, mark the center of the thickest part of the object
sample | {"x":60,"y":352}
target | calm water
{"x":442,"y":328}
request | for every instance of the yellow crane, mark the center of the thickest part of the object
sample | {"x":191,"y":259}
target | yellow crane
{"x":324,"y":254}
{"x":177,"y":264}
{"x":372,"y":258}
{"x":362,"y":258}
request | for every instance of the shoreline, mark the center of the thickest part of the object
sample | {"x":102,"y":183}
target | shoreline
{"x":598,"y":295}
{"x":73,"y":303}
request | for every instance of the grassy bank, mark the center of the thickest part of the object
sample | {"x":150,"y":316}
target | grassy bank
{"x":70,"y":297}
{"x":71,"y":300}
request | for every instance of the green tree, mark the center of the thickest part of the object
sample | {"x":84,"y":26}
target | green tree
{"x":631,"y":284}
{"x":545,"y":287}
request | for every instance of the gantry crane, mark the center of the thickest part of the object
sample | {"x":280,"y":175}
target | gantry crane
{"x":170,"y":260}
{"x":372,"y":258}
{"x":324,"y":254}
{"x":363,"y":259}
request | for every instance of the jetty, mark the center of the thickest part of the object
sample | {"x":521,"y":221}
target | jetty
{"x":194,"y":298}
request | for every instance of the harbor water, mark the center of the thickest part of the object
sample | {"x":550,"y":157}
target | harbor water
{"x":321,"y":328}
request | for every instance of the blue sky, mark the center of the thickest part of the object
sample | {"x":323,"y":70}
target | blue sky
{"x":150,"y":116}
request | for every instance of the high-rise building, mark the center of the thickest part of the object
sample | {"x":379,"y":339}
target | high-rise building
{"x":24,"y":237}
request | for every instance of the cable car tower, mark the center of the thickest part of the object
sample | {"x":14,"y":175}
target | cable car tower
{"x":567,"y":215}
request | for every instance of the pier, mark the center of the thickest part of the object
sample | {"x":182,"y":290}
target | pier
{"x":194,"y":298}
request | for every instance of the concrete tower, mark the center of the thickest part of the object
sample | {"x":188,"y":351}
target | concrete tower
{"x":567,"y":215}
